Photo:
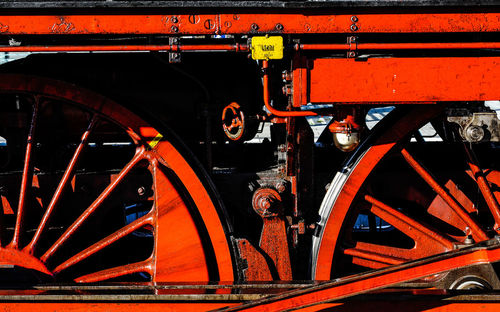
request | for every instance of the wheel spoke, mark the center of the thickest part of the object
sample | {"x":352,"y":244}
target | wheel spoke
{"x":371,"y":257}
{"x":143,"y":266}
{"x":139,"y":155}
{"x":27,"y":176}
{"x":483,"y":186}
{"x":110,"y":239}
{"x":410,"y":227}
{"x":62,"y":185}
{"x":477,"y":232}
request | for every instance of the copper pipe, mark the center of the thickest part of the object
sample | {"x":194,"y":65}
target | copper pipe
{"x":272,"y":110}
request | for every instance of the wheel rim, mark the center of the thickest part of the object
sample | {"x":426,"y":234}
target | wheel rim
{"x":419,"y":221}
{"x":145,"y":215}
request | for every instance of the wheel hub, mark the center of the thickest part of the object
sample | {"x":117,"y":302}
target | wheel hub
{"x":14,"y":257}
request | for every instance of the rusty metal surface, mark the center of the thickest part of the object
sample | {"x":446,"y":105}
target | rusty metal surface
{"x":486,"y":252}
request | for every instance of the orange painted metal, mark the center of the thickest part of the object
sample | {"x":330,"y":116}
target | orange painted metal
{"x":337,"y":80}
{"x":129,"y":48}
{"x":333,"y":227}
{"x":400,"y":46}
{"x":484,"y":186}
{"x":267,"y":103}
{"x":358,"y":284}
{"x":27,"y":178}
{"x":477,"y":232}
{"x":376,"y":256}
{"x":238,"y":22}
{"x":412,"y":301}
{"x":196,"y":258}
{"x":112,"y":306}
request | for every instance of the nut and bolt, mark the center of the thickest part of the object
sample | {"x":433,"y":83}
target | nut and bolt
{"x":279,"y":27}
{"x":174,"y":29}
{"x":174,"y":19}
{"x":354,"y":27}
{"x":141,"y":191}
{"x":287,"y":89}
{"x":254,"y":26}
{"x":474,"y":133}
{"x":265,"y":203}
{"x":354,"y":19}
{"x":286,"y":75}
{"x":280,"y":186}
{"x":351,"y":54}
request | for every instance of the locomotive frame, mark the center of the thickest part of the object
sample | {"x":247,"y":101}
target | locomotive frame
{"x":109,"y":194}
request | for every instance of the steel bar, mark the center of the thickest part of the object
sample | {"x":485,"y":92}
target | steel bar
{"x":399,"y":46}
{"x":486,"y":252}
{"x":127,"y":48}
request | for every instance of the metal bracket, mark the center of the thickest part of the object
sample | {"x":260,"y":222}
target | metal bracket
{"x":175,"y":55}
{"x":352,"y":41}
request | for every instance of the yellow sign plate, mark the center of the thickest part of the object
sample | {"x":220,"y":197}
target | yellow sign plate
{"x":267,"y":48}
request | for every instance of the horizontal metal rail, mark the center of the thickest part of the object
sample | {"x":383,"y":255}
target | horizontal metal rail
{"x":398,"y":46}
{"x":246,"y":48}
{"x":128,"y":48}
{"x":486,"y":252}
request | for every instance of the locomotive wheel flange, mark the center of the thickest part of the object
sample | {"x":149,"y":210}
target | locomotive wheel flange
{"x":92,"y":192}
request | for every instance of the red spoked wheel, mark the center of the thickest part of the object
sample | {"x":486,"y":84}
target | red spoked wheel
{"x":91,"y":192}
{"x":398,"y":200}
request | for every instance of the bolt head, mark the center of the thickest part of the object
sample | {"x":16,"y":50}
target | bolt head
{"x":474,"y":133}
{"x":141,"y":191}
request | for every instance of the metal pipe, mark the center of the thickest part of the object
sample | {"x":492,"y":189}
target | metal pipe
{"x":131,"y":48}
{"x":398,"y":46}
{"x":272,"y":110}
